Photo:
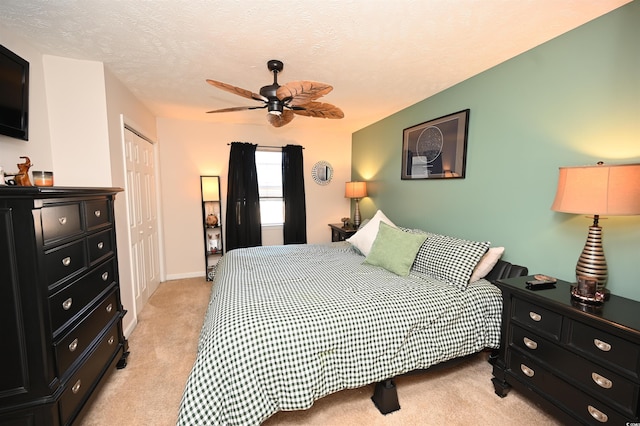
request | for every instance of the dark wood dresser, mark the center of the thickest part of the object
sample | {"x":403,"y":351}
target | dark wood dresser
{"x":581,"y":363}
{"x":60,"y":308}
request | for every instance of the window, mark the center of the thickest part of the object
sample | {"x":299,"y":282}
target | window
{"x":269,"y":169}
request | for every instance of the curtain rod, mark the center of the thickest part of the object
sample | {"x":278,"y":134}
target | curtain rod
{"x":267,"y":146}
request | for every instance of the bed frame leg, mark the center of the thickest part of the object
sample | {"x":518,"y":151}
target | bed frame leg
{"x":385,"y":397}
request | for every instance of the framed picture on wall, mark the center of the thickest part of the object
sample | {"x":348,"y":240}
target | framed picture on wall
{"x":436,"y":149}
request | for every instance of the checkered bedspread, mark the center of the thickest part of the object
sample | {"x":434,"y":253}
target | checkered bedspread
{"x":287,"y":325}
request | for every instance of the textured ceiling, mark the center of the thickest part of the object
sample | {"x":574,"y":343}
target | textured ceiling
{"x":379,"y":55}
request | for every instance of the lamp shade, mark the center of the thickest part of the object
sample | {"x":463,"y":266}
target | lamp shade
{"x":606,"y":190}
{"x":210,"y":188}
{"x":355,"y":190}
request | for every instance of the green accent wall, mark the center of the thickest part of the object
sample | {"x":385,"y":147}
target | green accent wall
{"x":574,"y":100}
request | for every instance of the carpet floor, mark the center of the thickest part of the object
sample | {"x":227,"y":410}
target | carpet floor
{"x":163,"y":348}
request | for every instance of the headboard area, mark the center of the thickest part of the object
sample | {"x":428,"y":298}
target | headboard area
{"x":505,"y":269}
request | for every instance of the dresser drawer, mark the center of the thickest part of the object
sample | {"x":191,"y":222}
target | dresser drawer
{"x":605,"y":347}
{"x":60,"y":221}
{"x":100,"y":246}
{"x":590,"y":410}
{"x":74,"y":298}
{"x":85,"y":379}
{"x":532,"y":344}
{"x":97,"y":213}
{"x":591,"y":377}
{"x":64,"y":261}
{"x":79,"y":339}
{"x":542,"y":320}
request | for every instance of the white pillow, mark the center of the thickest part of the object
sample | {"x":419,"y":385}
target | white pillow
{"x":486,"y":263}
{"x":366,"y":235}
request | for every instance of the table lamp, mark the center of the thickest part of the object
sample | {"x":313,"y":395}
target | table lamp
{"x":598,"y":190}
{"x":356,"y":190}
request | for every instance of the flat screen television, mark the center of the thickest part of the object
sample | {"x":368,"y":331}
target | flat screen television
{"x":14,"y":95}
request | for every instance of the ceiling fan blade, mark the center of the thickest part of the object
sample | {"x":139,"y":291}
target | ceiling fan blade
{"x":280,"y":120}
{"x":237,"y":90}
{"x":320,"y":110}
{"x":232,"y":109}
{"x":302,"y":92}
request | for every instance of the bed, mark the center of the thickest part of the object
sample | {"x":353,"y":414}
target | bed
{"x":287,"y":325}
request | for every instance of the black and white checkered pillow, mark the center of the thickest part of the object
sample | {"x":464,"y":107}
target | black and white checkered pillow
{"x":449,"y":259}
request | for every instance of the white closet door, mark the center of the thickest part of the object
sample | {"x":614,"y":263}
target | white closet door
{"x":143,"y":219}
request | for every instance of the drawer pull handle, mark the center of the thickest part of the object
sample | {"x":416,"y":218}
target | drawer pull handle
{"x":97,"y":213}
{"x":111,"y":340}
{"x":73,"y":345}
{"x":597,"y":414}
{"x":62,"y":220}
{"x":531,"y":344}
{"x":76,"y":387}
{"x":105,"y":276}
{"x":534,"y":316}
{"x":66,"y":305}
{"x":601,"y":381}
{"x":603,"y":346}
{"x":100,"y":245}
{"x":110,"y":307}
{"x":527,"y":371}
{"x":66,"y":261}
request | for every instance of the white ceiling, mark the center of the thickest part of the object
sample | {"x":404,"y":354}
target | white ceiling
{"x":379,"y":55}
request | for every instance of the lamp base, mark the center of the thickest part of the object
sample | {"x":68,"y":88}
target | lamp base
{"x":592,"y":308}
{"x":598,"y":298}
{"x":592,"y":264}
{"x":356,"y":215}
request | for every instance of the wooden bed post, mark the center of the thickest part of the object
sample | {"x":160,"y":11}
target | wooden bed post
{"x":385,"y":397}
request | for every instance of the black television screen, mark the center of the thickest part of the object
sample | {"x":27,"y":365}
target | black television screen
{"x":14,"y":95}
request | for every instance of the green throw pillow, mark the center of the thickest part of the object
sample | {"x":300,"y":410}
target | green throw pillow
{"x":394,"y":249}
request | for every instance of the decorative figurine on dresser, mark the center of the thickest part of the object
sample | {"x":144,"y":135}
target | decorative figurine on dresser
{"x":60,"y":308}
{"x":580,"y":361}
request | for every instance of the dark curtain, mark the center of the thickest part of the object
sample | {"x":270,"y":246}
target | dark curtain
{"x":295,"y":214}
{"x":243,"y":228}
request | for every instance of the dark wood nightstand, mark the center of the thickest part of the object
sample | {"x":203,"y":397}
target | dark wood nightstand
{"x":338,"y":233}
{"x":581,"y":363}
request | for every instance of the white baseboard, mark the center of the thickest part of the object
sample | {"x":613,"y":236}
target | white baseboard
{"x":132,"y":325}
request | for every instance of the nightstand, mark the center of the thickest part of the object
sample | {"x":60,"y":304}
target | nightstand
{"x":581,"y":363}
{"x":338,"y":233}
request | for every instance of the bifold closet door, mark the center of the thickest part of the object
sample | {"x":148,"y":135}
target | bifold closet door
{"x":143,"y":219}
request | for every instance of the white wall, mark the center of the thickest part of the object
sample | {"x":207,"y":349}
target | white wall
{"x":190,"y":149}
{"x":77,"y":111}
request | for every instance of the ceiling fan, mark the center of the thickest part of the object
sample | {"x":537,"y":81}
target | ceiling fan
{"x":283,"y":102}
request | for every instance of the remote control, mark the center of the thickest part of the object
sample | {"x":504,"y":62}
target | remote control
{"x":541,"y":277}
{"x":540,"y":284}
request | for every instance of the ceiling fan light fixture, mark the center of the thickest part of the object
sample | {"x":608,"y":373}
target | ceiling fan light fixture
{"x":283,"y":102}
{"x":274,"y":106}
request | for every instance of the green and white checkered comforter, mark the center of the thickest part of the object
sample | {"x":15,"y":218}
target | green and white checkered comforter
{"x":287,"y":325}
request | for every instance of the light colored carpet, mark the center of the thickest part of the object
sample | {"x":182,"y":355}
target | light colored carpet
{"x":163,"y":348}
